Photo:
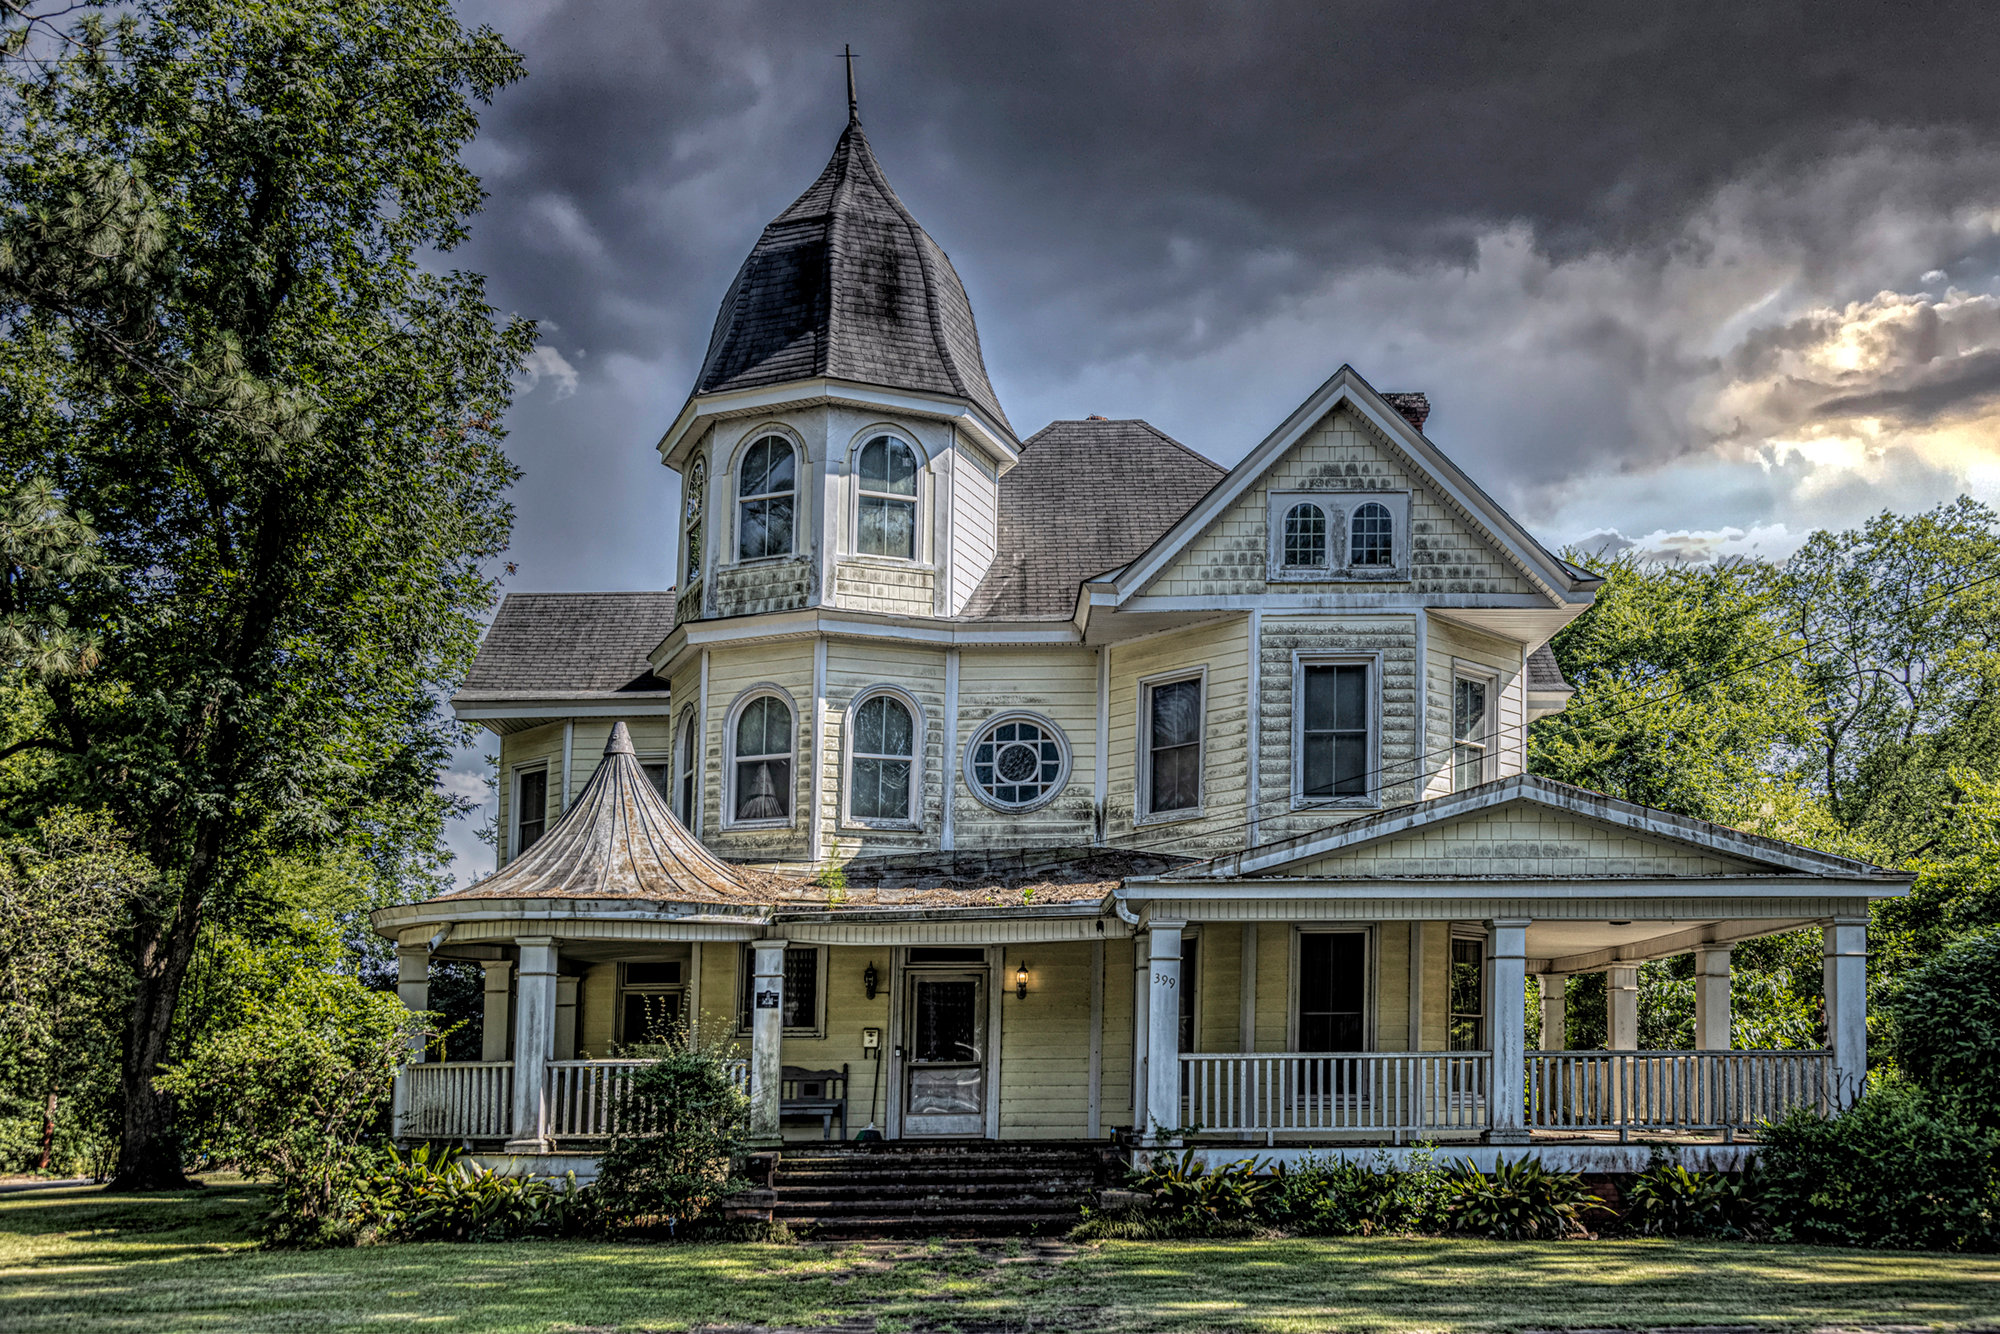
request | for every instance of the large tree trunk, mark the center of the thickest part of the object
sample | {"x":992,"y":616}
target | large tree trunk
{"x":149,"y":1153}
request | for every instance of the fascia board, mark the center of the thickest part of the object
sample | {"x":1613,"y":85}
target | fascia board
{"x":990,"y":435}
{"x":866,"y":625}
{"x":652,"y":705}
{"x":431,"y":912}
{"x":1292,"y":889}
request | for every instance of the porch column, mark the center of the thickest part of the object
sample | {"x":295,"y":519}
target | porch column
{"x":767,"y":1032}
{"x":1163,"y":1032}
{"x":1555,"y":1011}
{"x":413,"y":985}
{"x":1507,"y":970}
{"x":534,"y":1038}
{"x":1621,"y":1009}
{"x":1711,"y":998}
{"x":1844,"y":971}
{"x":493,"y":1016}
{"x":565,"y":1047}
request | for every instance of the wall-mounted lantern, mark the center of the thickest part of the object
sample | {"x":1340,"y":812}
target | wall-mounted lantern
{"x":869,"y":980}
{"x":1021,"y":982}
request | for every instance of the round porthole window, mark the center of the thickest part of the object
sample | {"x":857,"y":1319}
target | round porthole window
{"x":1017,"y":762}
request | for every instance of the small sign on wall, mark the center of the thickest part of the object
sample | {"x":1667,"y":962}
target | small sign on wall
{"x":767,"y":1000}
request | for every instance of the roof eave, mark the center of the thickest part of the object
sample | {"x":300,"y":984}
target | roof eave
{"x":701,"y":410}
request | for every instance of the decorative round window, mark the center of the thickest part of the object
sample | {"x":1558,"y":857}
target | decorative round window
{"x":1019,"y":761}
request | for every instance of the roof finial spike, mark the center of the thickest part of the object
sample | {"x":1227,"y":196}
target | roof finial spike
{"x":853,"y":103}
{"x":621,"y":740}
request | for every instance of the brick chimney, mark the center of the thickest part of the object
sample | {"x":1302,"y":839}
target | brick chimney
{"x":1414,"y":407}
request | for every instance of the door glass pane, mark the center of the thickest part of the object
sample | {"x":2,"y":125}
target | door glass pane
{"x":1468,"y":995}
{"x":958,"y":1090}
{"x":1331,"y":991}
{"x":946,"y":1022}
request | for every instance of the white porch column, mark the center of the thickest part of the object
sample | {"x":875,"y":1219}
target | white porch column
{"x":1844,"y":971}
{"x":1163,"y":1031}
{"x":534,"y":1038}
{"x":767,"y":1032}
{"x":565,"y":1046}
{"x":493,"y":1016}
{"x":1507,"y":979}
{"x":1621,"y":1009}
{"x":1555,"y":1011}
{"x":413,"y":985}
{"x":1711,"y":998}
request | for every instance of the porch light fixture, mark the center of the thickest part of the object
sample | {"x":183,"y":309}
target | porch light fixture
{"x":1021,"y":982}
{"x":869,"y":980}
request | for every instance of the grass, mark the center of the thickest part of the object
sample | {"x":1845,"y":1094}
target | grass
{"x":84,"y":1262}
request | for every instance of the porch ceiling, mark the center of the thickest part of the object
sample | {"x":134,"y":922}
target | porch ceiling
{"x":1570,"y":946}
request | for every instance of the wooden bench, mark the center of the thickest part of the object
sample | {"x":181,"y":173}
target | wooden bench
{"x":803,"y":1094}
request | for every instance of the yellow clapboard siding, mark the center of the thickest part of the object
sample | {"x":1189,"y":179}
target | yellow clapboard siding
{"x":1221,"y":650}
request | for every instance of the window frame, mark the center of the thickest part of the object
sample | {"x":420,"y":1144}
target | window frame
{"x":762,"y":690}
{"x":624,"y":989}
{"x":521,"y":771}
{"x":1371,"y":962}
{"x":694,"y":511}
{"x":686,"y":769}
{"x":746,"y":977}
{"x":1484,"y":992}
{"x":1339,"y":508}
{"x":918,"y":546}
{"x":914,"y":819}
{"x":1325,"y":561}
{"x":738,"y":499}
{"x":993,"y":720}
{"x":648,"y":759}
{"x":1372,"y":660}
{"x":1489,"y":764}
{"x":1142,"y":745}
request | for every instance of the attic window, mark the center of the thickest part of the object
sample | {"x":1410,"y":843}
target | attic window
{"x":886,"y":515}
{"x":1371,"y":541}
{"x":764,"y":489}
{"x":1305,"y":536}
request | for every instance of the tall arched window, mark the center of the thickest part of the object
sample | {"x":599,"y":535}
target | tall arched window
{"x":761,"y":781}
{"x":697,"y":484}
{"x":887,"y":514}
{"x":684,"y":770}
{"x":1305,"y":536}
{"x":1371,"y":541}
{"x":882,"y":760}
{"x":765,"y":487}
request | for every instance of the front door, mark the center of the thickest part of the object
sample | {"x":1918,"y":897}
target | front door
{"x":944,"y":1073}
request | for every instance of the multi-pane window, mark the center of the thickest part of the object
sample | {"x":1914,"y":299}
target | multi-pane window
{"x":1467,"y":1030}
{"x":887,"y":522}
{"x":764,"y":494}
{"x":1305,"y":536}
{"x":652,"y":1003}
{"x":1469,"y":732}
{"x":801,"y":999}
{"x":1370,"y":536}
{"x":763,"y":761}
{"x":1017,"y":763}
{"x":1332,"y":990}
{"x":697,"y":482}
{"x":531,"y":808}
{"x":1173,"y":746}
{"x":1334,"y":731}
{"x":881,"y":760}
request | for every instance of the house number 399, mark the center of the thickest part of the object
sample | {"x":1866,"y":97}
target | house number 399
{"x":1165,"y":980}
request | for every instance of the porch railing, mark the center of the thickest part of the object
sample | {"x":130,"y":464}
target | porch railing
{"x":1395,"y":1093}
{"x":583,"y":1096}
{"x":1673,"y":1090}
{"x":457,"y":1099}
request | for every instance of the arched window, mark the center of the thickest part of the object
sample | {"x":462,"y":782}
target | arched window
{"x":1371,"y":541}
{"x":764,"y":493}
{"x":684,"y":770}
{"x":886,"y":523}
{"x":1305,"y":536}
{"x":882,"y":761}
{"x":761,"y":781}
{"x":697,"y":484}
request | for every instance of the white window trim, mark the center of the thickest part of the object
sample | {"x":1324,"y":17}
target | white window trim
{"x":694,"y":526}
{"x":687,"y":727}
{"x":920,"y":556}
{"x":1489,"y":766}
{"x":1370,"y":968}
{"x":914,"y":820}
{"x":1339,"y":507}
{"x":1302,"y":659}
{"x":801,"y":468}
{"x":746,"y":960}
{"x":742,"y":702}
{"x":679,"y":988}
{"x":1011,"y":715}
{"x":1142,"y":791}
{"x":514,"y":804}
{"x":1460,"y":931}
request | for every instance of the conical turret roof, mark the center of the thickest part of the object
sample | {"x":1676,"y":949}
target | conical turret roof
{"x":618,"y":840}
{"x":845,"y":284}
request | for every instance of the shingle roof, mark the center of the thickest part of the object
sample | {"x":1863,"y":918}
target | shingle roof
{"x":543,"y":645}
{"x":1544,"y":673}
{"x":845,"y":284}
{"x":1086,"y":497}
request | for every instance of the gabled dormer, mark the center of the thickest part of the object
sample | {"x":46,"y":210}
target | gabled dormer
{"x":842,"y":444}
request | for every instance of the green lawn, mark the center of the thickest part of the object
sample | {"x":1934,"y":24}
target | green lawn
{"x":81,"y":1260}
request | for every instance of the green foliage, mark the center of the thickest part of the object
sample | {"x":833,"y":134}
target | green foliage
{"x":1944,"y":1028}
{"x":291,"y":1091}
{"x":1893,"y":1170}
{"x":435,"y":1195}
{"x":1192,"y":1199}
{"x":1334,"y":1198}
{"x":1667,"y":1200}
{"x":680,"y":1127}
{"x":1520,"y":1199}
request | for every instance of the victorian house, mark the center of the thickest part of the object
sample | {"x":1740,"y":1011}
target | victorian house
{"x":1072,"y":787}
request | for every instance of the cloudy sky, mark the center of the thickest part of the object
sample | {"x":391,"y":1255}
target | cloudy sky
{"x":1699,"y":277}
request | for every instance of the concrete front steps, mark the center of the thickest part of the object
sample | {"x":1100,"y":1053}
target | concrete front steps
{"x":938,"y":1188}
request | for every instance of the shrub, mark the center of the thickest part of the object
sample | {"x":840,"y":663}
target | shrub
{"x":1339,"y":1199}
{"x":1520,"y":1199}
{"x":1897,"y":1169}
{"x":1667,"y":1200}
{"x":1189,"y":1199}
{"x":435,"y":1195}
{"x":680,"y":1127}
{"x":1944,"y":1027}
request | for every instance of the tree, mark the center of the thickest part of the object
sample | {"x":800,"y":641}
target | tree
{"x":226,"y":328}
{"x":1944,"y":1027}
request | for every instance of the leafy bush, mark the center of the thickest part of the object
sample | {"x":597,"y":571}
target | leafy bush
{"x":1193,"y":1199}
{"x":437,"y":1196}
{"x":1327,"y":1197}
{"x":1520,"y":1199}
{"x":1895,"y":1170}
{"x":680,"y":1127}
{"x":1944,"y":1027}
{"x":1667,"y":1200}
